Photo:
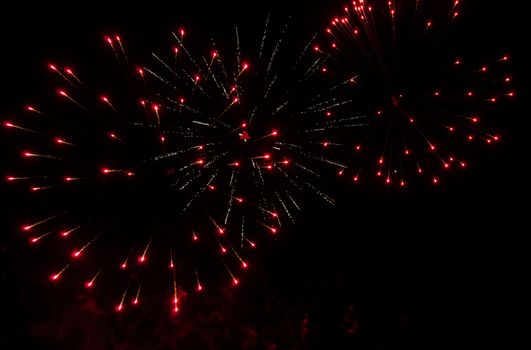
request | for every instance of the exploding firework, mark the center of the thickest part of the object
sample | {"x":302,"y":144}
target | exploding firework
{"x":172,"y":175}
{"x":390,"y":63}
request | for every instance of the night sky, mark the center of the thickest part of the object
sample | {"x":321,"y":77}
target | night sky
{"x":382,"y":269}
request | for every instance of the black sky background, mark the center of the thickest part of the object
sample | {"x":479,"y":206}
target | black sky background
{"x":425,"y":268}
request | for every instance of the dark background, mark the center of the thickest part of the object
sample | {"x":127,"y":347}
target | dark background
{"x":425,"y":268}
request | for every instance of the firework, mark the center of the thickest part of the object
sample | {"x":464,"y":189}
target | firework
{"x":172,"y":175}
{"x":388,"y":63}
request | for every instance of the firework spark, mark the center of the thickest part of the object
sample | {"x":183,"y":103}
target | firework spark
{"x":189,"y":158}
{"x":387,"y":62}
